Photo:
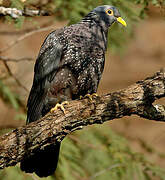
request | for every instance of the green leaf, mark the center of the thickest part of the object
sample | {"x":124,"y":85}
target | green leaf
{"x":19,"y":22}
{"x":7,"y":95}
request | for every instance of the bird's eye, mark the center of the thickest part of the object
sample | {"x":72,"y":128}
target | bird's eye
{"x":109,"y":12}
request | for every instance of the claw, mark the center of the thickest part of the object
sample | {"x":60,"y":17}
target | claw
{"x":61,"y":106}
{"x":81,"y":97}
{"x":91,"y":96}
{"x":95,"y":95}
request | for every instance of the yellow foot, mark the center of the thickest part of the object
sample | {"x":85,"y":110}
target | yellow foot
{"x":91,"y":96}
{"x":81,"y":97}
{"x":61,"y":106}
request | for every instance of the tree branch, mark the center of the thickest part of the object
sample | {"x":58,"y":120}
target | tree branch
{"x":16,"y":13}
{"x":135,"y":99}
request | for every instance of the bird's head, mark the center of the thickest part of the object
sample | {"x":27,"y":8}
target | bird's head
{"x":109,"y":14}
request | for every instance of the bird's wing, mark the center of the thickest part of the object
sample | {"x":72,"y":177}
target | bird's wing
{"x":49,"y":58}
{"x":47,"y":62}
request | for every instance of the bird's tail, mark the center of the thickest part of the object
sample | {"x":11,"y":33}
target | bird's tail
{"x":43,"y":163}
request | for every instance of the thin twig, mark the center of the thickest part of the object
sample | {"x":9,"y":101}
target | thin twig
{"x":21,"y":32}
{"x":13,"y":43}
{"x":74,"y":138}
{"x":6,"y":59}
{"x":14,"y":77}
{"x":104,"y":170}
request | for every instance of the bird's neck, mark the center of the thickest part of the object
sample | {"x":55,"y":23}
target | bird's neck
{"x":92,"y":20}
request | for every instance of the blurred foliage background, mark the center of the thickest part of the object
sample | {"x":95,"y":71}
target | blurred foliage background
{"x":97,"y":152}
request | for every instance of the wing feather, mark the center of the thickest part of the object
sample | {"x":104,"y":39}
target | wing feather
{"x":47,"y":63}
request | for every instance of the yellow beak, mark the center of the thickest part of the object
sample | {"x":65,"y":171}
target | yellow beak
{"x":120,"y":20}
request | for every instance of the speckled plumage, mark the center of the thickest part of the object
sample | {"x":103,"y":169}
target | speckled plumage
{"x":69,"y":65}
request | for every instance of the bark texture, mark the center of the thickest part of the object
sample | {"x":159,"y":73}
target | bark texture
{"x":135,"y":99}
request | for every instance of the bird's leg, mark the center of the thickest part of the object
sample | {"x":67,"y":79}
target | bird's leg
{"x":90,"y":96}
{"x":61,"y":106}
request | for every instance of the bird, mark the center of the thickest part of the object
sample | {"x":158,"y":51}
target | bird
{"x":70,"y":64}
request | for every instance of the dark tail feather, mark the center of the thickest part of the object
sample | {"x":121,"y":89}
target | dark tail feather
{"x":43,"y":163}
